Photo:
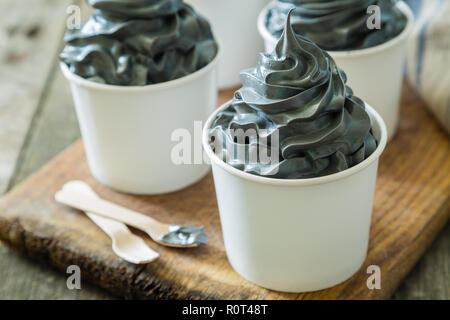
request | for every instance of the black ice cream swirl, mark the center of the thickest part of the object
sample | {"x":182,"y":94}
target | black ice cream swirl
{"x":338,"y":25}
{"x":139,"y":42}
{"x":299,"y":93}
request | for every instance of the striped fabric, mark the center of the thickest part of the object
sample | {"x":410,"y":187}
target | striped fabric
{"x":428,"y":56}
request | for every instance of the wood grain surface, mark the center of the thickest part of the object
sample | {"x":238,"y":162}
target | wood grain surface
{"x":30,"y":34}
{"x":411,"y":207}
{"x":37,"y":121}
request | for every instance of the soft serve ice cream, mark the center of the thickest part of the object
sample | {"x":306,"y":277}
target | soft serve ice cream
{"x":338,"y":25}
{"x":297,"y":94}
{"x":139,"y":42}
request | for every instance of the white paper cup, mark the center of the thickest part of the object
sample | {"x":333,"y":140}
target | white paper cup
{"x":375,"y":74}
{"x":127,"y":130}
{"x":296,"y":235}
{"x":234,"y":24}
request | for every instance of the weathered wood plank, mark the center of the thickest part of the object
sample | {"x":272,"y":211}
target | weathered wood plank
{"x":430,"y":278}
{"x":30,"y":34}
{"x":411,"y":206}
{"x":54,"y":128}
{"x":33,"y":92}
{"x":23,"y":278}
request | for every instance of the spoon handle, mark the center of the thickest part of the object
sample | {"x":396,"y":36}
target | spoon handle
{"x":87,"y":203}
{"x":109,"y":226}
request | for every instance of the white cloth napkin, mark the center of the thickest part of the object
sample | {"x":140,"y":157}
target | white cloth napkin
{"x":428,"y":56}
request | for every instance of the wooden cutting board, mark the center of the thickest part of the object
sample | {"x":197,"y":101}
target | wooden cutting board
{"x":411,"y":207}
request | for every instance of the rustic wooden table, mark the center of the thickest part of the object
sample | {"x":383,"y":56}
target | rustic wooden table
{"x":37,"y":121}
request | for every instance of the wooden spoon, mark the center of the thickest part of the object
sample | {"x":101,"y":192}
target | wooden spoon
{"x":162,"y":233}
{"x":125,"y":244}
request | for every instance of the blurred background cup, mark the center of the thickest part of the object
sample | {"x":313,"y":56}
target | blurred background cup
{"x":234,"y":24}
{"x":128,"y":130}
{"x":375,"y":74}
{"x":280,"y":233}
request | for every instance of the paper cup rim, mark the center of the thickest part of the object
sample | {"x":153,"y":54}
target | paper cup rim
{"x":267,"y":36}
{"x":69,"y":75}
{"x":375,"y":117}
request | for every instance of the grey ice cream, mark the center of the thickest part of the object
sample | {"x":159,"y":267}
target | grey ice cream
{"x":298,"y":93}
{"x":338,"y":25}
{"x":139,"y":42}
